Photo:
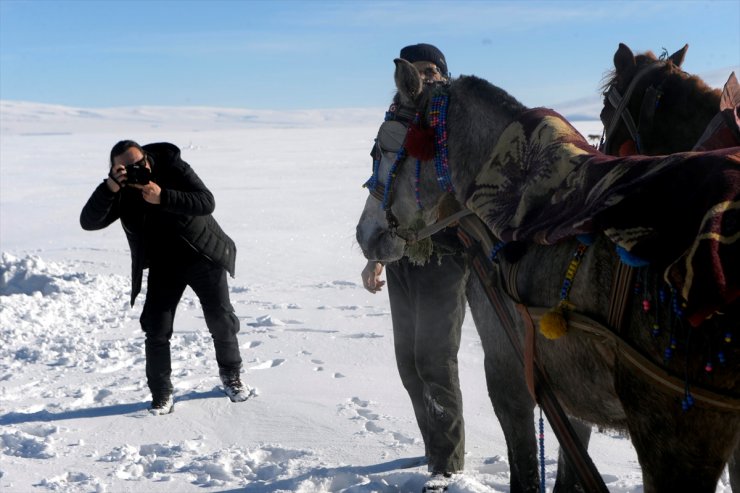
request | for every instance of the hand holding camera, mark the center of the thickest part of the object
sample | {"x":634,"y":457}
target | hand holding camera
{"x":135,"y":175}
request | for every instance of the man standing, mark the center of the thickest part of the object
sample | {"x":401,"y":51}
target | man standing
{"x":427,"y":307}
{"x":165,"y":211}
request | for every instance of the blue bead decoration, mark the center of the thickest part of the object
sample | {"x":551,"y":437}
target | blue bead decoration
{"x":495,"y":250}
{"x":662,"y":294}
{"x":542,"y":453}
{"x":438,"y":121}
{"x":417,"y":180}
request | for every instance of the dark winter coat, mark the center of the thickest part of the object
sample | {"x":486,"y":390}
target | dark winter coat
{"x":174,"y":230}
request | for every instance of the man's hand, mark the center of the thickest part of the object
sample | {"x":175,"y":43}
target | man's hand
{"x":150,"y":192}
{"x":371,"y":276}
{"x":116,"y":178}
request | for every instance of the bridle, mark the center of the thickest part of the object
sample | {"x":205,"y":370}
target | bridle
{"x":650,"y":102}
{"x":415,"y":122}
{"x":383,"y":191}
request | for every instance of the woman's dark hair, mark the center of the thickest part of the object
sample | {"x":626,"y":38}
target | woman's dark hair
{"x":122,"y":147}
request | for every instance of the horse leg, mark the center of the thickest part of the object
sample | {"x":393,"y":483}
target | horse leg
{"x":733,"y":467}
{"x":677,"y":450}
{"x":507,"y":390}
{"x":567,"y":479}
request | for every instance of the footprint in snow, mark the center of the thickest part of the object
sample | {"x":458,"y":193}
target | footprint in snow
{"x":268,"y":364}
{"x":364,"y":335}
{"x":267,"y":321}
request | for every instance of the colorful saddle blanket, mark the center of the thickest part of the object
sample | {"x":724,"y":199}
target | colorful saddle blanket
{"x":681,"y":212}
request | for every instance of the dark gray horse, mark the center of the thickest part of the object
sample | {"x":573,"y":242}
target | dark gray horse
{"x":507,"y":389}
{"x":678,"y":450}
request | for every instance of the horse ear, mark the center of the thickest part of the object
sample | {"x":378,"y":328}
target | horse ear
{"x":624,"y":59}
{"x":677,"y":58}
{"x":408,"y":80}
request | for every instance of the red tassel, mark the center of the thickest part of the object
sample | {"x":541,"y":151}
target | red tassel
{"x":420,"y":142}
{"x":627,"y":149}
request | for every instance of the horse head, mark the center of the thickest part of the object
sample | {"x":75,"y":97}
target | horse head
{"x":451,"y":133}
{"x":653,"y":107}
{"x":392,"y":214}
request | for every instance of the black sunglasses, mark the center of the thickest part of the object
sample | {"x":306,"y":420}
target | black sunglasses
{"x":140,"y":162}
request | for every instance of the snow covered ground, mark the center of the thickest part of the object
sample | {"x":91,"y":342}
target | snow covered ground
{"x":330,"y":414}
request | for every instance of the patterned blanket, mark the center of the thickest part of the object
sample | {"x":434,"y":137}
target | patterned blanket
{"x":681,"y":213}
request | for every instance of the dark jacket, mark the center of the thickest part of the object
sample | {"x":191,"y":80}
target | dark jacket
{"x":182,"y":221}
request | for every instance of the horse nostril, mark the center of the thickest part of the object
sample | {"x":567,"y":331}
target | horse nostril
{"x":369,"y":239}
{"x":364,"y":237}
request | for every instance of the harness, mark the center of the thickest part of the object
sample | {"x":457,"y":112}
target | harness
{"x":482,"y":248}
{"x":404,"y":115}
{"x":477,"y":240}
{"x":650,"y":102}
{"x":411,"y":120}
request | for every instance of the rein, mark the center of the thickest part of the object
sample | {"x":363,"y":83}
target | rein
{"x":477,"y":239}
{"x":437,"y":226}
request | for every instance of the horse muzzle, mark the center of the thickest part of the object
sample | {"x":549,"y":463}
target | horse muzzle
{"x":380,"y":244}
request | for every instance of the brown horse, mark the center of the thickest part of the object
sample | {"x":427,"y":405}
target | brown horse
{"x":678,"y":450}
{"x":674,"y":110}
{"x":653,"y":107}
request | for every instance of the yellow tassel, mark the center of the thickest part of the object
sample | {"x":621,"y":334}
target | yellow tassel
{"x":553,"y":324}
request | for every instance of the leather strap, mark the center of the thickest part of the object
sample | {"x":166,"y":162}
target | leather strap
{"x":620,"y":295}
{"x":574,"y":450}
{"x":529,"y":349}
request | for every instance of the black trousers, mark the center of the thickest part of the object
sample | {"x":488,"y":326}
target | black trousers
{"x":166,"y":284}
{"x":427,"y":309}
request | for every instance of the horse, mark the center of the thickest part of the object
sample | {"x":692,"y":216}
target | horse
{"x":673,"y":109}
{"x":677,"y":449}
{"x":507,"y":389}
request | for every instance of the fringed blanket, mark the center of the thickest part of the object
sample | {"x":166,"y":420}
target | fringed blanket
{"x":544,"y":182}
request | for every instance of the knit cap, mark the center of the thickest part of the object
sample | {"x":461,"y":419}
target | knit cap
{"x":424,"y":52}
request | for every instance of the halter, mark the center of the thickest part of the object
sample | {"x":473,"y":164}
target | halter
{"x":412,"y":120}
{"x":649,"y":104}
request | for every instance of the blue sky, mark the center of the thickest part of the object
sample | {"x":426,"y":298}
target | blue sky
{"x":305,"y":54}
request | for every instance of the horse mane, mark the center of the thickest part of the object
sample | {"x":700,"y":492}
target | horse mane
{"x":490,"y":92}
{"x":697,"y":84}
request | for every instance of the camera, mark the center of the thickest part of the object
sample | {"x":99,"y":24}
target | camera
{"x":137,"y":174}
